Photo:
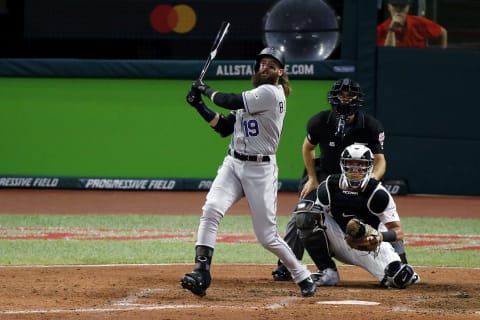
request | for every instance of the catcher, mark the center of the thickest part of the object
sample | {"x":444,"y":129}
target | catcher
{"x":354,"y":219}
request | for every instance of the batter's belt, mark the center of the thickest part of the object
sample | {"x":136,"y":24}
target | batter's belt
{"x":246,"y":157}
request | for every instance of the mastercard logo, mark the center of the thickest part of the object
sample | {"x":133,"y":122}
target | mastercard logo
{"x":165,"y":18}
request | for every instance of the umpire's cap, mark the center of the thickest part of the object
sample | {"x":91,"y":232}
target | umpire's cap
{"x":272,"y":53}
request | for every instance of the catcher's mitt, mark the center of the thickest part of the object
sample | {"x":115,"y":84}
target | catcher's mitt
{"x":362,"y":236}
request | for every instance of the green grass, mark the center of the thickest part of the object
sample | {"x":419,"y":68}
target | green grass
{"x":441,"y":226}
{"x":26,"y":252}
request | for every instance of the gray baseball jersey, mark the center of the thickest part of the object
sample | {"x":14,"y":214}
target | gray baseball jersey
{"x":251,"y":170}
{"x":258,"y":127}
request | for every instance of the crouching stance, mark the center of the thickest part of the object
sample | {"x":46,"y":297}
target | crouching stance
{"x":353,"y":219}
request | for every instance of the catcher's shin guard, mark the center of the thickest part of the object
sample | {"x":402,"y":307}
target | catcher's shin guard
{"x":311,"y":232}
{"x":316,"y":243}
{"x":199,"y":279}
{"x":399,"y":275}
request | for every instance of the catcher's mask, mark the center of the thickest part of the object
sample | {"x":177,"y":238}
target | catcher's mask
{"x":272,"y":53}
{"x":345,"y":97}
{"x":356,"y":162}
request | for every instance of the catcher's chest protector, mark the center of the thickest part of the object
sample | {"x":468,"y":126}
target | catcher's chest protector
{"x":345,"y":205}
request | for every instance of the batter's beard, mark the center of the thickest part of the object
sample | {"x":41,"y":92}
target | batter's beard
{"x":258,"y":80}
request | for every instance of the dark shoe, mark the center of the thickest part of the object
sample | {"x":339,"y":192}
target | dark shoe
{"x":281,"y":274}
{"x":197,"y":282}
{"x":307,"y":287}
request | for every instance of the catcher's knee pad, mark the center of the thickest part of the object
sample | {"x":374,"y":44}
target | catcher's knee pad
{"x":197,"y":282}
{"x":311,"y":231}
{"x":308,"y":215}
{"x":398,"y":275}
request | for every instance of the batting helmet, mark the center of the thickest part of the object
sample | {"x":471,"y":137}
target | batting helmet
{"x":346,"y":105}
{"x":272,"y":53}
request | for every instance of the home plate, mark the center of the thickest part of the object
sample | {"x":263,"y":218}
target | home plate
{"x":356,"y":302}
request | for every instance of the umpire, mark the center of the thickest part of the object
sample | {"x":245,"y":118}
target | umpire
{"x":333,"y":130}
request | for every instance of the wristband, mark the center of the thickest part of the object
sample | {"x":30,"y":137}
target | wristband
{"x":391,"y":29}
{"x":206,"y":113}
{"x":209,"y":92}
{"x":389,"y":236}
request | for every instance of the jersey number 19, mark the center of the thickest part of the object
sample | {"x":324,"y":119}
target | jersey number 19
{"x":250,"y":127}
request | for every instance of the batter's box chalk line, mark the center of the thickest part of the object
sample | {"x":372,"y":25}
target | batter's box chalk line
{"x":351,"y":302}
{"x":131,"y":301}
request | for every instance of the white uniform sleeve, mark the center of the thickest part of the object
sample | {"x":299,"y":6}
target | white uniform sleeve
{"x":390,"y":213}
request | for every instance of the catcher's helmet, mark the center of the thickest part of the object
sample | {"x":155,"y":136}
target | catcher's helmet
{"x":356,"y":162}
{"x":272,"y":53}
{"x":345,"y":96}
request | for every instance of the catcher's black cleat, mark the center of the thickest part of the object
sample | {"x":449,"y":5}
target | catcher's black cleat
{"x":197,"y":282}
{"x":307,"y":287}
{"x":281,"y":274}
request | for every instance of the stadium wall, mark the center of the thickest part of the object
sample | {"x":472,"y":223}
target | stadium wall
{"x":61,"y":128}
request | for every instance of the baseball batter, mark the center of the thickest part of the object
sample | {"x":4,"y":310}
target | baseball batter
{"x":352,"y":194}
{"x":249,"y":169}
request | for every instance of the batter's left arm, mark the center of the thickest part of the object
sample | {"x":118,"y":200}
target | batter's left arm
{"x":231,"y":101}
{"x":224,"y":125}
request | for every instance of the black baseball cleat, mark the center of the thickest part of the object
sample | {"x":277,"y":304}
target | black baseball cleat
{"x":307,"y":287}
{"x":281,"y":274}
{"x":196,"y":282}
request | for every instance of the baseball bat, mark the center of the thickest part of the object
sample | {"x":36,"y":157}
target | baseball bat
{"x":216,"y":44}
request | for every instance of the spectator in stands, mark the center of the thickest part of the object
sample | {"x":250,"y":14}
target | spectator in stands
{"x":408,"y":31}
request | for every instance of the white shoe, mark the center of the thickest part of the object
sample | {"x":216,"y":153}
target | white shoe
{"x":327,"y":277}
{"x":415,"y":278}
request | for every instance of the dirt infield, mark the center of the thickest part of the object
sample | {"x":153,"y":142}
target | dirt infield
{"x":237,"y":291}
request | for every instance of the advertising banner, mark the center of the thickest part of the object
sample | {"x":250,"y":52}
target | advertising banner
{"x":126,"y":19}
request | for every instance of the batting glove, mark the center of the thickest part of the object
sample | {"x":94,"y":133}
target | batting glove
{"x":203,"y":88}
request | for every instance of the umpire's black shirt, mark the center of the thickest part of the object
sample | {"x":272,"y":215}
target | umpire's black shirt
{"x":321,"y":131}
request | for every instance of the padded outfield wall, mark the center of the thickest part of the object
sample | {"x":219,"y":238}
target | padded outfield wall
{"x":127,"y":128}
{"x":426,"y":99}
